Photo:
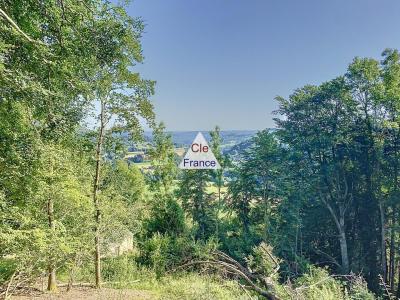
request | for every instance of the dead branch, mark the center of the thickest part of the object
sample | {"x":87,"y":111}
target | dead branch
{"x":267,"y":294}
{"x":8,"y":285}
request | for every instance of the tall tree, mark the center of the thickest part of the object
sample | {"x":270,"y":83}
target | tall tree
{"x":197,"y":201}
{"x":218,"y":174}
{"x":164,"y":169}
{"x":390,"y":102}
{"x":316,"y":124}
{"x":121,"y":93}
{"x":364,"y":81}
{"x":166,"y":215}
{"x":44,"y":71}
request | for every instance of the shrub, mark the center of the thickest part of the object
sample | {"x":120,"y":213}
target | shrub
{"x":318,"y":284}
{"x":166,"y":217}
{"x":164,"y":252}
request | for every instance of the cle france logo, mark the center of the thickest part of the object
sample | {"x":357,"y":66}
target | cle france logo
{"x":199,"y":156}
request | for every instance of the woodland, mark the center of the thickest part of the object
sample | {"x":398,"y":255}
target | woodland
{"x":309,"y":210}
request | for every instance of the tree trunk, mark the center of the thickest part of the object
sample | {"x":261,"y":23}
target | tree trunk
{"x":266,"y":211}
{"x":398,"y":267}
{"x":217,"y":211}
{"x":383,"y":243}
{"x":52,"y":283}
{"x":97,"y":256}
{"x":340,"y":224}
{"x":398,"y":282}
{"x":343,"y":246}
{"x":392,"y":250}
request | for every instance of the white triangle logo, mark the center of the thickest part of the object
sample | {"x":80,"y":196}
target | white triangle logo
{"x":199,"y":156}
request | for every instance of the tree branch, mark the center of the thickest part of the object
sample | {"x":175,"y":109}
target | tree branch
{"x":16,"y":27}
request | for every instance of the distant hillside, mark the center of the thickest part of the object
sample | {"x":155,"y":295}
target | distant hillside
{"x":229,"y":137}
{"x":236,"y":150}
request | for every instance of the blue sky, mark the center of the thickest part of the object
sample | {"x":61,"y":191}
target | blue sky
{"x":222,"y":62}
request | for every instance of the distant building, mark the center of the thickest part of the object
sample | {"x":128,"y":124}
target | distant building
{"x":125,"y":245}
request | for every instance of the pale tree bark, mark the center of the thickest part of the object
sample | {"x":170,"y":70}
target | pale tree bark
{"x":392,"y":250}
{"x":383,"y":242}
{"x":340,"y":224}
{"x":343,"y":243}
{"x":51,"y":283}
{"x":100,"y":139}
{"x":337,"y":200}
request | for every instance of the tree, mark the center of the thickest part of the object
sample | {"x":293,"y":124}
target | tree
{"x":197,"y":201}
{"x":316,"y":124}
{"x":363,"y":79}
{"x":253,"y":187}
{"x":121,"y":93}
{"x":218,"y":174}
{"x":242,"y":191}
{"x":164,"y":169}
{"x":44,"y":75}
{"x":166,"y":215}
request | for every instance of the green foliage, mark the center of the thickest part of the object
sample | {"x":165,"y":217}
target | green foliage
{"x":322,"y":189}
{"x":166,"y":216}
{"x":263,"y":261}
{"x":359,"y":290}
{"x":196,"y":287}
{"x":164,"y":253}
{"x":164,"y":169}
{"x":253,"y":189}
{"x":120,"y":270}
{"x":197,"y":201}
{"x":317,"y":284}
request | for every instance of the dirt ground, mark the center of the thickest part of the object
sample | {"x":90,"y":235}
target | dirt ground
{"x":87,"y":293}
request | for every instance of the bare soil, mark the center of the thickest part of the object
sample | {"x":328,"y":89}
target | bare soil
{"x":88,"y":293}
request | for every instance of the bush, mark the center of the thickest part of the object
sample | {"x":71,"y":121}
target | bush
{"x":318,"y":284}
{"x":164,"y":252}
{"x":120,"y":269}
{"x":7,"y":268}
{"x":358,"y":290}
{"x":263,"y":261}
{"x":166,"y":217}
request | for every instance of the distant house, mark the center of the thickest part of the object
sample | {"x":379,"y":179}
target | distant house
{"x":125,"y":245}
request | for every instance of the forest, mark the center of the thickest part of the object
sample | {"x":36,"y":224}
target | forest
{"x":309,"y":210}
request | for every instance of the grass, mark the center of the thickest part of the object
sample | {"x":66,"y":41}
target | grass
{"x":182,"y":285}
{"x":189,"y":286}
{"x":211,"y":188}
{"x":142,"y":165}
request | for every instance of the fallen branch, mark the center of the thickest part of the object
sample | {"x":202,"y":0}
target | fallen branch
{"x":88,"y":284}
{"x":80,"y":284}
{"x":8,"y":285}
{"x":244,"y":288}
{"x":253,"y":286}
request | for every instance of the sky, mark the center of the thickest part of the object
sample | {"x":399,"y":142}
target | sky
{"x":222,"y":62}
